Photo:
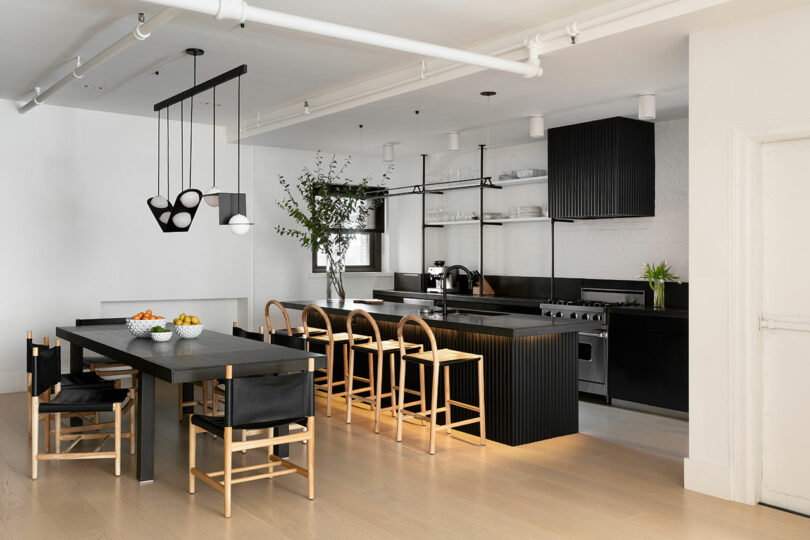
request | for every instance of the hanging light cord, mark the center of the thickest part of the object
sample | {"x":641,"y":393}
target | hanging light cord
{"x":214,"y":138}
{"x":182,"y":146}
{"x":158,"y":156}
{"x":191,"y":126}
{"x":168,"y":161}
{"x":239,"y":144}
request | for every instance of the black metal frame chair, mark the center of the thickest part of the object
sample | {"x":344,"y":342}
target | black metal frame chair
{"x":46,"y":377}
{"x":258,"y":403}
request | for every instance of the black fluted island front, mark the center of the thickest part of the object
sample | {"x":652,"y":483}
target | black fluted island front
{"x":530,"y":364}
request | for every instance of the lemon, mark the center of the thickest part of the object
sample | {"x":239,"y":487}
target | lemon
{"x":182,"y":316}
{"x":176,"y":321}
{"x":195,"y":320}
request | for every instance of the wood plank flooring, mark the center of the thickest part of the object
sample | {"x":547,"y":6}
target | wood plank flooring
{"x":622,"y":477}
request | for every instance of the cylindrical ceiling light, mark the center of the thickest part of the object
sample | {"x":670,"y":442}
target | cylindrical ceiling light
{"x":388,"y":152}
{"x":453,"y":142}
{"x":537,"y":127}
{"x":646,"y":107}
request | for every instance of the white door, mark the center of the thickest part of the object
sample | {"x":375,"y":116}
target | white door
{"x":786,"y":322}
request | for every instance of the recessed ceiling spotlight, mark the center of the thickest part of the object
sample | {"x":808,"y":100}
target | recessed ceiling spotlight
{"x":537,"y":126}
{"x":453,"y":141}
{"x":646,"y":107}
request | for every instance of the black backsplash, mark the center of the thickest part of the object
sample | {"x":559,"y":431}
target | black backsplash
{"x":567,"y":288}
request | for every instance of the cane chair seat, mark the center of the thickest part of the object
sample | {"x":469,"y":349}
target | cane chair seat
{"x":388,"y":345}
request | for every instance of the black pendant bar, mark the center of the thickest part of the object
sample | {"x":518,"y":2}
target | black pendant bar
{"x":202,"y":87}
{"x":419,"y":189}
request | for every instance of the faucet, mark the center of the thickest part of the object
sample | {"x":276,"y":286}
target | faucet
{"x":444,"y":283}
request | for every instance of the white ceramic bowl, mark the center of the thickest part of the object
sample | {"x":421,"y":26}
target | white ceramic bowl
{"x":161,"y":336}
{"x":142,"y":329}
{"x":189,"y":332}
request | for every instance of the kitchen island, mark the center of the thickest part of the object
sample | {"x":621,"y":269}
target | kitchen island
{"x":530,"y":364}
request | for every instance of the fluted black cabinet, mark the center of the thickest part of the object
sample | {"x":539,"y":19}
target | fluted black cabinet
{"x":602,"y":169}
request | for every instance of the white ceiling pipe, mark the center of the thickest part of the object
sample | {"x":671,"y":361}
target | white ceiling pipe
{"x":242,"y":11}
{"x":139,"y":33}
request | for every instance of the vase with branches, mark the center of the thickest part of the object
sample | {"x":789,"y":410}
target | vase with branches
{"x":327,"y":209}
{"x":657,"y":275}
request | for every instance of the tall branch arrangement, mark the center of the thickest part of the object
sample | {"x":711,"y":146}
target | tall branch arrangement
{"x":327,"y":208}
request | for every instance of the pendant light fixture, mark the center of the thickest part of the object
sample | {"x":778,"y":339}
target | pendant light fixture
{"x":646,"y":107}
{"x":239,"y":223}
{"x":537,"y":127}
{"x":212,"y":195}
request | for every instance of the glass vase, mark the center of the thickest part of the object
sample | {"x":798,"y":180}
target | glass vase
{"x":658,"y":294}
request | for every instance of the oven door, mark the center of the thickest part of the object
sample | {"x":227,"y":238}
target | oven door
{"x":592,"y":357}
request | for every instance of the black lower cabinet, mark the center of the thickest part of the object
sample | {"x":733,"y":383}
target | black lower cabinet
{"x":649,"y":359}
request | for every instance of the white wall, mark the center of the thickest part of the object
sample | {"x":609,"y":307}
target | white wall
{"x":78,"y":233}
{"x":739,"y":74}
{"x":605,"y":248}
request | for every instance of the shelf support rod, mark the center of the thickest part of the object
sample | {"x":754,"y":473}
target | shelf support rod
{"x":422,"y":271}
{"x":481,"y":224}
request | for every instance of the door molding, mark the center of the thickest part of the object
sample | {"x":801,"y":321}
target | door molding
{"x":745,"y":299}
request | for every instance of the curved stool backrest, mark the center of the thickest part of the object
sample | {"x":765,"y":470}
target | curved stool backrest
{"x":374,"y":327}
{"x":270,"y":329}
{"x":418,"y":320}
{"x":324,"y":316}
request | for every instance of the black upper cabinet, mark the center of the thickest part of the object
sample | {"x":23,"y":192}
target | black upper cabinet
{"x":602,"y":169}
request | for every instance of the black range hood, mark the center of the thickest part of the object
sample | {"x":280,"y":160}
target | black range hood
{"x":602,"y":169}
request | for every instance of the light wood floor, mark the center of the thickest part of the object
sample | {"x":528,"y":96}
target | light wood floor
{"x":369,"y":486}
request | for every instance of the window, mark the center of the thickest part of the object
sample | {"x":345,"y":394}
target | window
{"x":365,"y":251}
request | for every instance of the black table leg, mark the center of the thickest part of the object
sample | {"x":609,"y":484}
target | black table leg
{"x":146,"y":427}
{"x":188,"y":396}
{"x":282,"y":450}
{"x":76,"y":367}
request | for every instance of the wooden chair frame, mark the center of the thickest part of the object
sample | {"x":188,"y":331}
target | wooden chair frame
{"x":438,"y":363}
{"x":79,"y":433}
{"x":224,"y":486}
{"x":374,"y":399}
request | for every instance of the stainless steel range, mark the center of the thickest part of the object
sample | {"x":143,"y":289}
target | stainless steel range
{"x":593,"y":346}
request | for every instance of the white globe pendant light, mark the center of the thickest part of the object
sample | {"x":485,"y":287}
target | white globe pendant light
{"x":212,"y":196}
{"x":159,"y":202}
{"x":182,"y":220}
{"x":190,"y":199}
{"x":239,"y":224}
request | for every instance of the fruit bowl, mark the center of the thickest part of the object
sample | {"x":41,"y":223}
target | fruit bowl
{"x":142,"y":328}
{"x":161,"y":336}
{"x":190,"y":331}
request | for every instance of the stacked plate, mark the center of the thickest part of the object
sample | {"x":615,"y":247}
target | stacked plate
{"x":527,"y":212}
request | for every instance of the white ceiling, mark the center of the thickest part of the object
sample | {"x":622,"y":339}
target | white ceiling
{"x":40,"y":38}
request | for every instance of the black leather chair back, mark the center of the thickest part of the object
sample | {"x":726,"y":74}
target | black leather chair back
{"x":47,"y":370}
{"x":239,"y":332}
{"x":269,"y":398}
{"x":293,"y":342}
{"x":29,"y":353}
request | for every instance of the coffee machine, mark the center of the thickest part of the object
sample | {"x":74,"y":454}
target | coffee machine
{"x":435,"y":275}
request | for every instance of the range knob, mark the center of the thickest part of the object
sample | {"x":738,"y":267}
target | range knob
{"x":584,"y":317}
{"x":573,"y":315}
{"x":597,"y":317}
{"x":558,"y":314}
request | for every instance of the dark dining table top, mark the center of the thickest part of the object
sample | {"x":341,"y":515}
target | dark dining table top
{"x":188,"y":360}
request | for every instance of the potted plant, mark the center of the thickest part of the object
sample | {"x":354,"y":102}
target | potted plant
{"x":657,"y":275}
{"x":327,"y":208}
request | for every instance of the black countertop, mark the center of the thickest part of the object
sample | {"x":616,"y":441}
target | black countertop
{"x":647,"y":311}
{"x":504,"y":324}
{"x":491,"y":299}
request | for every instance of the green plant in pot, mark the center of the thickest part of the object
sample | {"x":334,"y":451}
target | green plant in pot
{"x":657,"y":275}
{"x":327,"y":208}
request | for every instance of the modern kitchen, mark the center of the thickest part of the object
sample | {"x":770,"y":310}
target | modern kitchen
{"x":439,"y":269}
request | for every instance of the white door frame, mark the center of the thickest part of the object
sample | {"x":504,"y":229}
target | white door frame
{"x":745,"y":297}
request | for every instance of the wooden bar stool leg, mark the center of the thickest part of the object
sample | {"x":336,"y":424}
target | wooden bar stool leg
{"x":393,"y":376}
{"x":434,"y":397}
{"x":311,"y":459}
{"x":447,"y":418}
{"x":422,"y":390}
{"x":483,"y":423}
{"x":400,"y":407}
{"x":330,"y":355}
{"x":371,"y":378}
{"x":378,"y":393}
{"x":350,"y":387}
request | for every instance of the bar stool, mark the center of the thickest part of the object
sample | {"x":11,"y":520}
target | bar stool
{"x":297,"y":331}
{"x":379,"y":348}
{"x":329,"y":340}
{"x":438,"y":358}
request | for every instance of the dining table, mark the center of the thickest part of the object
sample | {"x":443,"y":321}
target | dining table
{"x":178,"y":361}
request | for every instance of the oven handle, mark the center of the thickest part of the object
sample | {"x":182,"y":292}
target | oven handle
{"x":599,"y":335}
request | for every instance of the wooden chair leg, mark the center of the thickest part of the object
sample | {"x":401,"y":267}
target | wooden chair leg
{"x":179,"y":402}
{"x":204,"y":397}
{"x":311,"y":458}
{"x":447,"y":418}
{"x":422,"y":388}
{"x":28,"y":397}
{"x":348,"y":377}
{"x":228,"y":436}
{"x":270,"y":434}
{"x":434,"y":397}
{"x":244,"y":438}
{"x":132,"y":413}
{"x":48,"y":433}
{"x":34,"y":435}
{"x":192,"y":456}
{"x":57,"y":432}
{"x":393,"y":376}
{"x":377,"y":390}
{"x":401,"y":400}
{"x":483,"y":424}
{"x":117,"y":414}
{"x":330,"y":357}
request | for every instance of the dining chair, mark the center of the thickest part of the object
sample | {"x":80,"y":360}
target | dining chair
{"x":46,"y":377}
{"x":86,"y":380}
{"x":258,"y":402}
{"x":441,"y":360}
{"x":329,"y":341}
{"x":101,"y":365}
{"x":217,"y":388}
{"x":289,"y":330}
{"x":377,"y":349}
